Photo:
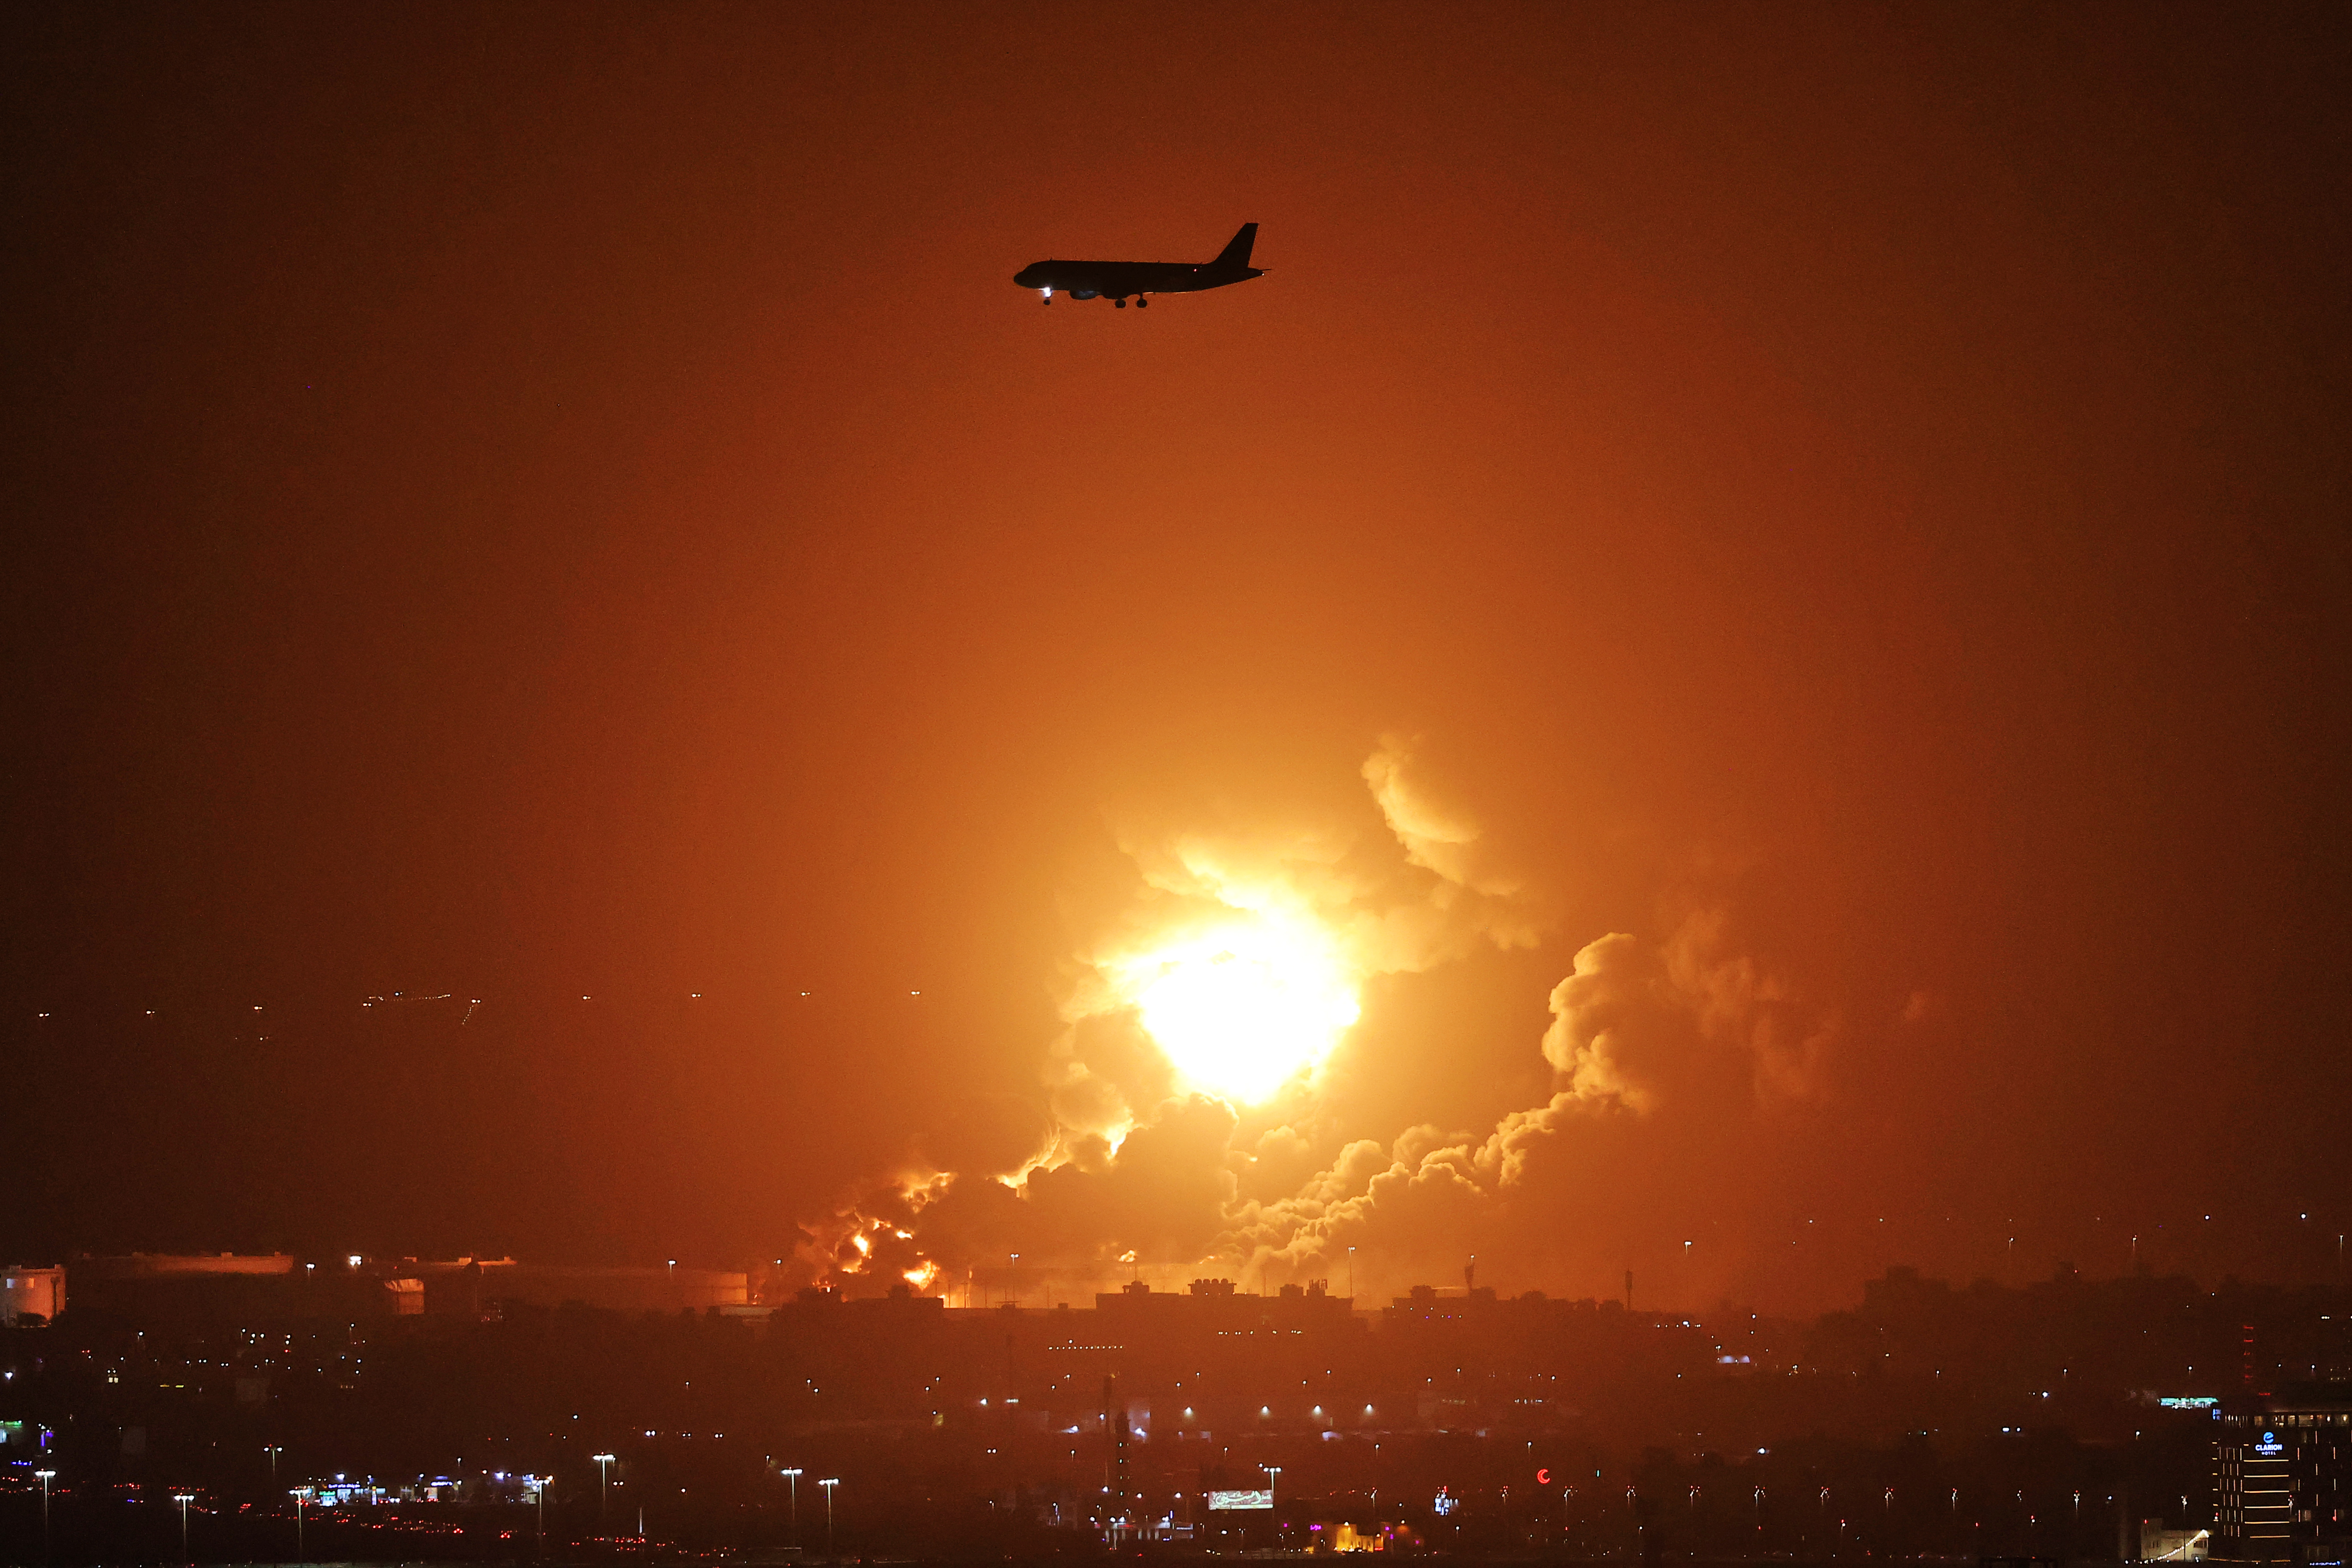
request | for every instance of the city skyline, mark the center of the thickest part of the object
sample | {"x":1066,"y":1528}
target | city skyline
{"x":1732,"y":669}
{"x":243,"y":1405}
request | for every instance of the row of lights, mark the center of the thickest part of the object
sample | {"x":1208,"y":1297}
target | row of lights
{"x":471,"y":1002}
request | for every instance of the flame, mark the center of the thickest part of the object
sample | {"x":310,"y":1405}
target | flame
{"x":864,"y":1247}
{"x":920,"y":1278}
{"x":1246,"y":1004}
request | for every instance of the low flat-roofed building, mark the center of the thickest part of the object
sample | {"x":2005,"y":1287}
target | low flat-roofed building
{"x":668,"y":1288}
{"x":31,"y":1293}
{"x":2160,"y":1544}
{"x":187,"y":1265}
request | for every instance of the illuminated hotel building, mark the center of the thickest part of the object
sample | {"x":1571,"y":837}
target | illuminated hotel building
{"x":2283,"y":1476}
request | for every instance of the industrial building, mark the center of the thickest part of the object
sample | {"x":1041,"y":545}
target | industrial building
{"x":179,"y":1287}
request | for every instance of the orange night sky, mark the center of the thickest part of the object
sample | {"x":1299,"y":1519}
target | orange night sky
{"x":1758,"y":593}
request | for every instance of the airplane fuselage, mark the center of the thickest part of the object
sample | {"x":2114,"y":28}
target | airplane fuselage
{"x":1119,"y":280}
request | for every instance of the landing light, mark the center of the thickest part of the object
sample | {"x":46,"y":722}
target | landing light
{"x":1047,"y":294}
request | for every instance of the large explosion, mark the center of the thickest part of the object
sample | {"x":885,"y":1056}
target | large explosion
{"x":1190,"y":1120}
{"x":1245,"y":1006}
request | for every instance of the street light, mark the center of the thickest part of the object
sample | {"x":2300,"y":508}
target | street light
{"x":184,"y":1500}
{"x":538,"y":1495}
{"x":46,"y":1477}
{"x":792,"y":1478}
{"x":273,"y":1450}
{"x":604,"y":1488}
{"x":302,"y":1495}
{"x":828,"y":1486}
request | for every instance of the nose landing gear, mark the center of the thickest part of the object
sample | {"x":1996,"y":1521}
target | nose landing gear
{"x":1140,"y":301}
{"x":1120,"y":303}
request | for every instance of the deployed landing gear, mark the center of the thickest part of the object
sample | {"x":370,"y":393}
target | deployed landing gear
{"x":1120,"y":303}
{"x":1140,"y":301}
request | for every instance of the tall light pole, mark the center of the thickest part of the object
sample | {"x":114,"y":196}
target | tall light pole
{"x":273,"y":1450}
{"x":299,"y":1500}
{"x":604,"y":1488}
{"x":793,"y":1479}
{"x":184,"y":1500}
{"x":46,"y":1477}
{"x":1351,"y":1274}
{"x":538,"y":1495}
{"x":828,"y":1486}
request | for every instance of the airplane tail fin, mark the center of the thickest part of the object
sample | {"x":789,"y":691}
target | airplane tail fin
{"x":1236,"y":254}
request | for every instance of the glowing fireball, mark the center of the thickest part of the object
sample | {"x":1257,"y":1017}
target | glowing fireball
{"x":1242,"y":1009}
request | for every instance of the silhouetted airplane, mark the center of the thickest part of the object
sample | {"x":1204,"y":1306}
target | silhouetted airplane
{"x":1118,"y":279}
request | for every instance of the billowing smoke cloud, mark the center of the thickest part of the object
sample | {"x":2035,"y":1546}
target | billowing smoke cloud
{"x":1634,"y":1027}
{"x":1124,"y":1165}
{"x":1444,"y":838}
{"x":1686,"y":1030}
